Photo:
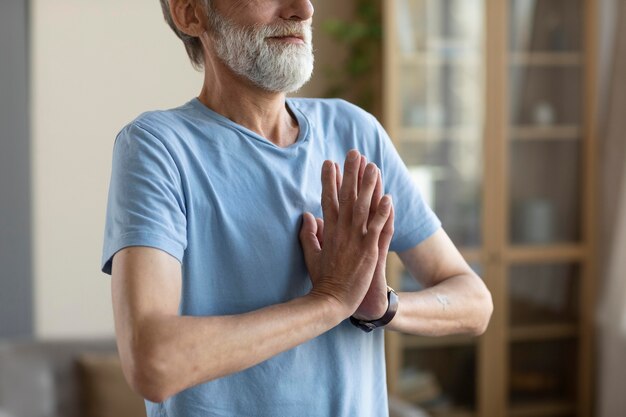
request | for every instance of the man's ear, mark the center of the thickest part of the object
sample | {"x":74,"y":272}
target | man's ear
{"x":189,"y":16}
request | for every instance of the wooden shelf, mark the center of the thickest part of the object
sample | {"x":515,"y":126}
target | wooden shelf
{"x":448,"y":43}
{"x":438,"y":58}
{"x":453,"y":412}
{"x":421,"y":342}
{"x":545,"y":254}
{"x":520,"y":132}
{"x":435,"y":134}
{"x":546,"y":59}
{"x":543,"y":332}
{"x":531,"y":132}
{"x":555,"y":408}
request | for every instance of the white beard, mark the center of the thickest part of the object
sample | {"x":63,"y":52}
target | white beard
{"x":271,"y":65}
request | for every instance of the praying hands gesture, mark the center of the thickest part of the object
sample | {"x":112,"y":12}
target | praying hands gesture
{"x":358,"y":220}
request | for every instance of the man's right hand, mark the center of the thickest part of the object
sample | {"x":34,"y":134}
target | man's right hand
{"x":163,"y":352}
{"x":342,"y":259}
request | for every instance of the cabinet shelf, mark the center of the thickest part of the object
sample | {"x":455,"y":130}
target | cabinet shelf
{"x":434,"y":134}
{"x":548,"y":59}
{"x":559,"y":132}
{"x":543,"y":332}
{"x":454,"y":412}
{"x":421,"y":342}
{"x":545,"y":253}
{"x":555,"y":408}
{"x":436,"y":43}
{"x":438,"y":58}
{"x":519,"y":132}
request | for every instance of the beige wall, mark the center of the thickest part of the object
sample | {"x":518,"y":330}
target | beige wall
{"x":95,"y":66}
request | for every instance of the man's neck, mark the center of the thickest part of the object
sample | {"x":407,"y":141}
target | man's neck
{"x":250,"y":106}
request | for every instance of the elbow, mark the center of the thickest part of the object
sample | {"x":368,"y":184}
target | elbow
{"x":143,"y":381}
{"x":147,"y":373}
{"x":485,"y":310}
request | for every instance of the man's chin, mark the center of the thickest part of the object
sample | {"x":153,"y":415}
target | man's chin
{"x":287,"y":76}
{"x":285,"y":87}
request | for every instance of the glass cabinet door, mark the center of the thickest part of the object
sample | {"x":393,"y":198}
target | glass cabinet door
{"x":545,"y":194}
{"x":544,"y":314}
{"x":546,"y":124}
{"x":440,"y":85}
{"x":522,"y":217}
{"x":438,"y":81}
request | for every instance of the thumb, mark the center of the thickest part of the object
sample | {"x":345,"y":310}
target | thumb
{"x":308,"y":235}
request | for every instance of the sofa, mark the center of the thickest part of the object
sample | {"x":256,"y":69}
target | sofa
{"x":78,"y":378}
{"x":69,"y":378}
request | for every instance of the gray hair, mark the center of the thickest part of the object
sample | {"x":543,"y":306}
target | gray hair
{"x":192,"y":43}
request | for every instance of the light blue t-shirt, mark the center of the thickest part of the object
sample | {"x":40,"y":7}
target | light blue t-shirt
{"x":228,"y":204}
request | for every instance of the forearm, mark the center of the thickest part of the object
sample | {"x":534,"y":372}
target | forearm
{"x":458,"y":305}
{"x":163,"y":353}
{"x":175,"y":352}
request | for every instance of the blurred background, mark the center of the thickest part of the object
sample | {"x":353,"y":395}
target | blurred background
{"x":508,"y":113}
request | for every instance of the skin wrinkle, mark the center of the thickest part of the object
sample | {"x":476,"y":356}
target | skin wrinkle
{"x":239,"y":6}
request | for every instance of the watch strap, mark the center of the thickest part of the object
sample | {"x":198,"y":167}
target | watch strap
{"x":392,"y":308}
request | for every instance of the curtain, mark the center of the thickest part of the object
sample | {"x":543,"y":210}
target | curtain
{"x":611,"y":401}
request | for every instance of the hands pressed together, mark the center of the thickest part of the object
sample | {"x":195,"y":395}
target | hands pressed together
{"x":346,"y":252}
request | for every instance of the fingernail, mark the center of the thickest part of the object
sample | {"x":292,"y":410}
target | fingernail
{"x":353,"y":155}
{"x":326,"y":166}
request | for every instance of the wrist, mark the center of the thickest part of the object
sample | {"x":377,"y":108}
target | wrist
{"x":373,"y":312}
{"x":369,"y":325}
{"x":333,"y":310}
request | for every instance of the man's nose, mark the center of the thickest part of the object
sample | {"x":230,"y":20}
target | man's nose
{"x":297,"y":10}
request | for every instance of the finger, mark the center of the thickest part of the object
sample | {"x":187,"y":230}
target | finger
{"x":348,"y":191}
{"x":320,"y":231}
{"x":376,"y":225}
{"x":338,"y":174}
{"x":330,"y":204}
{"x":308,"y":235}
{"x":384,"y":242}
{"x":386,"y":234}
{"x":362,"y":204}
{"x":361,"y":172}
{"x":376,"y":196}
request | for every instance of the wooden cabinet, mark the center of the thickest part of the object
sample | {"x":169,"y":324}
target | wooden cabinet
{"x":490,"y":104}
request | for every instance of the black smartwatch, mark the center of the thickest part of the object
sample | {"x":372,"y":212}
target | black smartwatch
{"x":392,"y":308}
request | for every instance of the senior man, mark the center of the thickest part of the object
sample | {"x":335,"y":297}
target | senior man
{"x":243,"y":285}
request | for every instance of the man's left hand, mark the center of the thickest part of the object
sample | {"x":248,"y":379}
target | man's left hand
{"x":374,"y":305}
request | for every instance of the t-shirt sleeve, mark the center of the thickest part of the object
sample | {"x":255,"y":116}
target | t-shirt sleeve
{"x":146,"y":206}
{"x":414,"y":219}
